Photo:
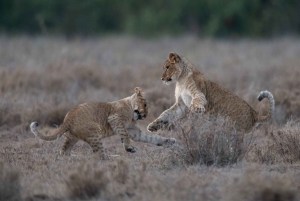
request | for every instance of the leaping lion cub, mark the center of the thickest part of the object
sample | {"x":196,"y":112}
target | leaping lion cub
{"x":195,"y":93}
{"x":94,"y":121}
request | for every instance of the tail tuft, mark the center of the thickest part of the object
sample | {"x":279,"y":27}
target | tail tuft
{"x":264,"y":94}
{"x":56,"y":134}
{"x":33,"y":125}
{"x":261,"y":96}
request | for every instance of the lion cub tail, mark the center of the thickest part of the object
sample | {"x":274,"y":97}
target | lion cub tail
{"x":261,"y":96}
{"x":58,"y":132}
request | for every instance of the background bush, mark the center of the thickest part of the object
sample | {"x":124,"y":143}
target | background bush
{"x":205,"y":17}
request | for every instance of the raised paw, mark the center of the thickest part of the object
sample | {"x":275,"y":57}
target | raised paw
{"x":197,"y":108}
{"x":157,"y":125}
{"x":154,"y":126}
{"x":130,"y":149}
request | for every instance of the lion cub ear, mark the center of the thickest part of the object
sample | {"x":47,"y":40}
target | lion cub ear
{"x":174,"y":58}
{"x":138,"y":91}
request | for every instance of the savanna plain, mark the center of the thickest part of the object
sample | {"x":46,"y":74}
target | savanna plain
{"x":42,"y":78}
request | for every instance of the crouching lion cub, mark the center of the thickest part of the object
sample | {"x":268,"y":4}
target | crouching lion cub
{"x":195,"y":93}
{"x":94,"y":121}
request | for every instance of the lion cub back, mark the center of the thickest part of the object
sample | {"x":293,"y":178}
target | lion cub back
{"x":84,"y":116}
{"x":221,"y":101}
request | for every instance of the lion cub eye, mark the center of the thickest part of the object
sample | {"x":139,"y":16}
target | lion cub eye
{"x":167,"y":67}
{"x":145,"y":105}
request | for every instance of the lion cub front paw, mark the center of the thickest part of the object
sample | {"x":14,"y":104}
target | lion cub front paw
{"x":167,"y":142}
{"x":154,"y":126}
{"x":130,"y":149}
{"x":197,"y":108}
{"x":160,"y":124}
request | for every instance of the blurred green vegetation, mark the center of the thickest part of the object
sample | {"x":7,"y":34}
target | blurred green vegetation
{"x":148,"y":18}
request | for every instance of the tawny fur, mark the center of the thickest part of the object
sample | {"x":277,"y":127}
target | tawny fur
{"x":195,"y":93}
{"x":94,"y":121}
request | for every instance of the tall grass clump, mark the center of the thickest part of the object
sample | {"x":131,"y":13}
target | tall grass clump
{"x":9,"y":184}
{"x":281,"y":145}
{"x":114,"y":180}
{"x":253,"y":185}
{"x":86,"y":183}
{"x":210,"y":141}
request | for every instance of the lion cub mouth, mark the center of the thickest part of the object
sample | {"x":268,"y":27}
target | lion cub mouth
{"x":168,"y":82}
{"x":138,"y":115}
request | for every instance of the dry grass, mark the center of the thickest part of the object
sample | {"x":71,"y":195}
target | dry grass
{"x":9,"y":184}
{"x":279,"y":145}
{"x":257,"y":186}
{"x":42,"y":78}
{"x":85,"y":184}
{"x":209,"y":141}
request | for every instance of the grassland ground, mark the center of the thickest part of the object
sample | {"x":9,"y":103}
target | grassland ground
{"x":41,"y":78}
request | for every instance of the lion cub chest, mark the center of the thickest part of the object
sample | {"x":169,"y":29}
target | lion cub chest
{"x":184,"y":94}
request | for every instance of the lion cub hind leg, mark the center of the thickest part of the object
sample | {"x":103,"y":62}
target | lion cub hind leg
{"x":97,"y":146}
{"x":70,"y":141}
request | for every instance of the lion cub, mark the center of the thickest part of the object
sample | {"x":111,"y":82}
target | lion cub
{"x":94,"y":121}
{"x":195,"y":93}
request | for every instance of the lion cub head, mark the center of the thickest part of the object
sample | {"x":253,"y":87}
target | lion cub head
{"x":139,"y":105}
{"x":172,"y":69}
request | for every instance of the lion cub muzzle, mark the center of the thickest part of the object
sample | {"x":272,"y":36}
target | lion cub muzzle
{"x":166,"y":79}
{"x":140,"y":115}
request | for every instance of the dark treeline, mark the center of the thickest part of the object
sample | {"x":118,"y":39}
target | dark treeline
{"x":140,"y":17}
